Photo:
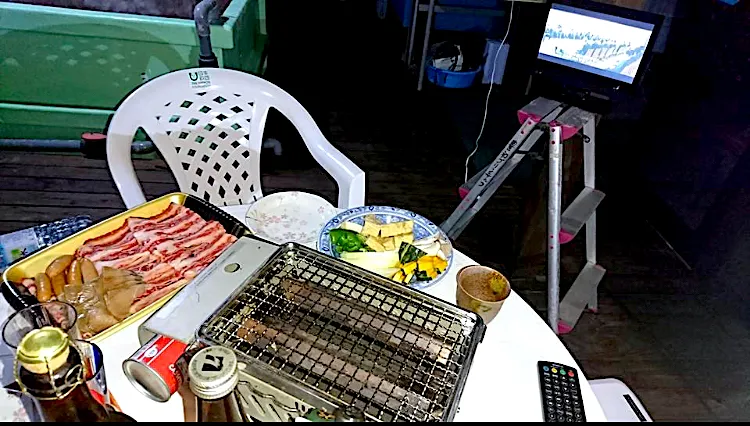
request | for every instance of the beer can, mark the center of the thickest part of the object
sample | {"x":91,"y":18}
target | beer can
{"x":154,"y":369}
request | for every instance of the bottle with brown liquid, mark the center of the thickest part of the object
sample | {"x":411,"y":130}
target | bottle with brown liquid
{"x":214,"y":375}
{"x":51,"y":369}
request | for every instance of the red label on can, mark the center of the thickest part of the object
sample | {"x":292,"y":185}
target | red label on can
{"x":160,"y":354}
{"x":98,"y":396}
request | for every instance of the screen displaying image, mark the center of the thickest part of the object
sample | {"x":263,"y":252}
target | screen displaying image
{"x":602,"y":44}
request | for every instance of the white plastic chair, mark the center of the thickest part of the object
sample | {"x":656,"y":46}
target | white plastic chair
{"x":208,"y":124}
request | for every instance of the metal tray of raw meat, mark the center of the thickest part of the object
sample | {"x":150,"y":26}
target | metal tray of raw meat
{"x":319,"y":328}
{"x":16,"y":295}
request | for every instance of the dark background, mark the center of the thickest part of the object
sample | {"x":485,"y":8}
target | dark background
{"x":677,"y":156}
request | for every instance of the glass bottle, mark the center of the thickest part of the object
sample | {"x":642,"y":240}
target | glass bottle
{"x":214,"y":374}
{"x":51,"y":369}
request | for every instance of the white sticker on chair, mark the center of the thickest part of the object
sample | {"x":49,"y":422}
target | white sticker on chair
{"x":199,"y":79}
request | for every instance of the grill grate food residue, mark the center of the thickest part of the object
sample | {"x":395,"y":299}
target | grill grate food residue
{"x":358,"y":339}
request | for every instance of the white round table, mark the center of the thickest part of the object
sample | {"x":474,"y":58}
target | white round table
{"x":502,"y":384}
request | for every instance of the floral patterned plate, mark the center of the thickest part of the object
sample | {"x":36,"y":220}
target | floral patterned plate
{"x":423,"y":228}
{"x":289,"y":217}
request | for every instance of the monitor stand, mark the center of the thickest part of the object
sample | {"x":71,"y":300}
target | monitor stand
{"x":580,"y":93}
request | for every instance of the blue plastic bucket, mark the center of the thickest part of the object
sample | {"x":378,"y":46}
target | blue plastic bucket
{"x":451,"y":79}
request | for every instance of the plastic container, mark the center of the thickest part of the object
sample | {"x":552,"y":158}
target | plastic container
{"x":451,"y":79}
{"x":450,"y":21}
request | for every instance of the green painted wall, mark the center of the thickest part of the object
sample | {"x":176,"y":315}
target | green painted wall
{"x":63,"y":71}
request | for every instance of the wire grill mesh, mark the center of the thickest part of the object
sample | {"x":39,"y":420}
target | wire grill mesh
{"x":361,"y":340}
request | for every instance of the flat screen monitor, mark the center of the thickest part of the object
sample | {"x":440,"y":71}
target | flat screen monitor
{"x":598,"y":43}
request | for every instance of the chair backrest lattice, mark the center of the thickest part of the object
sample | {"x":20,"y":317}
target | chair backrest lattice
{"x":210,"y":132}
{"x":208,"y":124}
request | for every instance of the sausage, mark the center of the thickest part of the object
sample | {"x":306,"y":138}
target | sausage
{"x":58,"y":284}
{"x":43,"y":287}
{"x":88,"y":270}
{"x":74,"y":273}
{"x":59,"y":265}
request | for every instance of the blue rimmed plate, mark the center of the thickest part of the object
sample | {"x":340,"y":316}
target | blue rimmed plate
{"x":423,"y":228}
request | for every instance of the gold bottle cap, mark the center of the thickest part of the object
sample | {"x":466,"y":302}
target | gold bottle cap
{"x":43,"y":350}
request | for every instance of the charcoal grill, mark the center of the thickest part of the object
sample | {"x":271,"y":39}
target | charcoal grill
{"x":315,"y":333}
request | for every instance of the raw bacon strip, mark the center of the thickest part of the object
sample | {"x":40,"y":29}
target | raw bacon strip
{"x":132,"y":221}
{"x":173,"y":249}
{"x":123,"y":232}
{"x":149,"y":298}
{"x":189,"y":247}
{"x":195,"y":231}
{"x":196,"y":248}
{"x":113,"y":237}
{"x":124,"y":248}
{"x":171,"y":211}
{"x":139,"y":262}
{"x":160,"y":238}
{"x":183,"y":215}
{"x":204,"y":257}
{"x":162,"y":273}
{"x":147,"y":237}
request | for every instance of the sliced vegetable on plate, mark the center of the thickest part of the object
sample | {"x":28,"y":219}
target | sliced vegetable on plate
{"x":389,"y":247}
{"x":345,"y":240}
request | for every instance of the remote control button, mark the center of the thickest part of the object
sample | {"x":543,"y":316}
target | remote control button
{"x":574,"y":392}
{"x":562,"y":371}
{"x":571,"y":374}
{"x":545,"y":368}
{"x":547,"y":385}
{"x":577,"y":410}
{"x":550,"y":403}
{"x":554,"y":370}
{"x":546,"y":380}
{"x":576,"y":404}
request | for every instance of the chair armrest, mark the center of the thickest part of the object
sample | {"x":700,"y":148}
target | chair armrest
{"x":121,"y":167}
{"x":349,"y":177}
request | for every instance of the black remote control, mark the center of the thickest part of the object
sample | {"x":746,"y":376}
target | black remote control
{"x":561,"y":393}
